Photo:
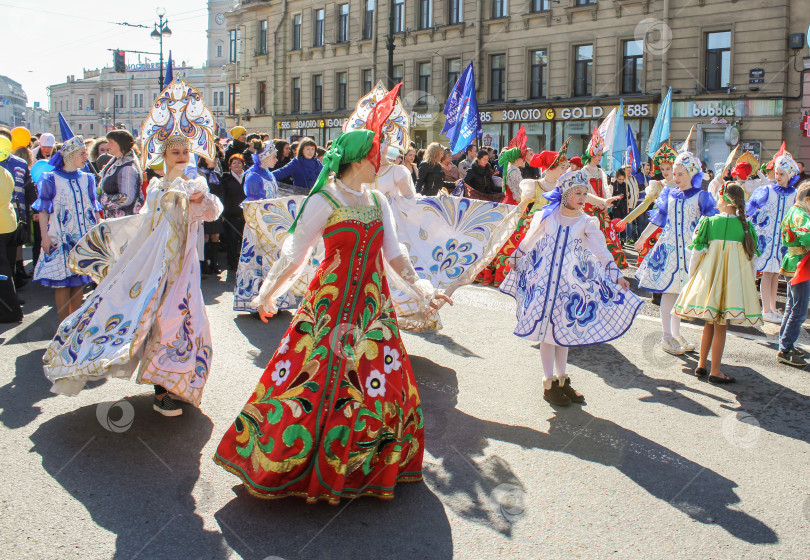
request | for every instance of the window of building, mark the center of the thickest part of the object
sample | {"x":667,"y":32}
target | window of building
{"x":81,"y":107}
{"x":453,"y":72}
{"x":261,"y":102}
{"x":317,"y":34}
{"x":398,"y":72}
{"x":540,"y":6}
{"x":231,"y":99}
{"x":296,"y":95}
{"x":341,"y":81}
{"x":368,"y":19}
{"x":219,"y":51}
{"x":366,"y":81}
{"x":584,"y":2}
{"x":500,"y":8}
{"x":399,"y":16}
{"x":317,"y":93}
{"x":425,"y":14}
{"x":92,"y":104}
{"x":456,"y":14}
{"x":263,"y":37}
{"x":583,"y":70}
{"x":232,"y":45}
{"x":80,"y":127}
{"x":718,"y":60}
{"x":91,"y":126}
{"x":296,"y":32}
{"x":632,"y":66}
{"x":497,"y":77}
{"x":343,"y":23}
{"x":118,"y":101}
{"x":538,"y":74}
{"x":423,"y":71}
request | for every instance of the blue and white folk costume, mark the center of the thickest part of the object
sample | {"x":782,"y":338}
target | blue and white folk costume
{"x":260,"y":183}
{"x":766,"y":209}
{"x":564,"y":278}
{"x":147,"y":314}
{"x":665,"y":269}
{"x":69,"y":198}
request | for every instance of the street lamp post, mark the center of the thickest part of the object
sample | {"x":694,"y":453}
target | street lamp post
{"x":161,"y":30}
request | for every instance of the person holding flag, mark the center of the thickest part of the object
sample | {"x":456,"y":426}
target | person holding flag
{"x":336,"y":414}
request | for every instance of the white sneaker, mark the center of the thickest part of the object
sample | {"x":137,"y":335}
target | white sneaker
{"x":672,"y":346}
{"x":772,"y":317}
{"x":687,"y":346}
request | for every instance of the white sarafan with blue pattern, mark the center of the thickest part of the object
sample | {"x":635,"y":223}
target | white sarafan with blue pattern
{"x":666,"y":268}
{"x":766,"y":209}
{"x":564,"y":282}
{"x":69,"y":198}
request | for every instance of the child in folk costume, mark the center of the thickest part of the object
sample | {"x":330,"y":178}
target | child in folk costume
{"x":795,"y":232}
{"x":662,"y":165}
{"x":568,"y":288}
{"x":721,"y":288}
{"x":552,"y":165}
{"x":665,"y":270}
{"x":767,"y":208}
{"x":602,"y":197}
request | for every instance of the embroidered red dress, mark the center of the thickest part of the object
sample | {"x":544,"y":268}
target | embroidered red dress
{"x":336,"y":413}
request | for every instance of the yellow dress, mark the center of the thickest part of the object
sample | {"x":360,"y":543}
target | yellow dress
{"x":721,"y":286}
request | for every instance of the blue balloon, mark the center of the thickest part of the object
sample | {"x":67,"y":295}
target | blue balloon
{"x":40,"y":167}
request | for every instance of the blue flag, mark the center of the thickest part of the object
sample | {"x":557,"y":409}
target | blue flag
{"x":169,"y":71}
{"x":463,"y":122}
{"x":660,"y":132}
{"x":633,"y":159}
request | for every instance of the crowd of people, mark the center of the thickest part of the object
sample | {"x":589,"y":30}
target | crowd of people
{"x":124,"y":228}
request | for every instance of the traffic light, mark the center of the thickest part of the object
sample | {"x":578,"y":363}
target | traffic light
{"x":119,"y":62}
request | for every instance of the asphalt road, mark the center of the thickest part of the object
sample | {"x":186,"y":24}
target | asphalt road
{"x":658,"y":464}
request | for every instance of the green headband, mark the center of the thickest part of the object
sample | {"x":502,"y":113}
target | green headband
{"x":347,"y":148}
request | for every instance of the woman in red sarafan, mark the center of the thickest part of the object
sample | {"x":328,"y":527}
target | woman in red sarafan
{"x":336,"y":413}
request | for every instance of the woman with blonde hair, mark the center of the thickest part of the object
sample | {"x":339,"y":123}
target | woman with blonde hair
{"x":430,"y":179}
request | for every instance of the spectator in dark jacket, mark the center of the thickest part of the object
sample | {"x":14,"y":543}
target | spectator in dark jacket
{"x":479,"y":176}
{"x":238,"y":145}
{"x":283,"y":153}
{"x":304,"y":168}
{"x":527,"y":171}
{"x":430,"y":178}
{"x":233,"y":217}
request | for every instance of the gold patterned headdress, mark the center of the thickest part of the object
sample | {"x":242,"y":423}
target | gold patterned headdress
{"x":396,"y":128}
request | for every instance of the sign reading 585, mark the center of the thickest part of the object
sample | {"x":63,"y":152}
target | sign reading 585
{"x":485,"y":116}
{"x":637,"y":111}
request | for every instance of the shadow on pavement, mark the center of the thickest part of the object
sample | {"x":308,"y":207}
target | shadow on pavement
{"x":264,"y":336}
{"x":137,"y":483}
{"x":617,"y":371}
{"x":412,"y":525}
{"x":466,"y":481}
{"x":446,"y":342}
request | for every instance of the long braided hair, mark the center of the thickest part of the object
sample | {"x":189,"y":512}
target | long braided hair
{"x":733,"y":194}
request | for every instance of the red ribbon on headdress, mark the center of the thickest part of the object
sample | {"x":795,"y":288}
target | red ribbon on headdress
{"x":519,"y":141}
{"x":376,"y":120}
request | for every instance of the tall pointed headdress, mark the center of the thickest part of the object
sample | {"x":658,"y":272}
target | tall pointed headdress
{"x":177,"y":114}
{"x":396,"y":130}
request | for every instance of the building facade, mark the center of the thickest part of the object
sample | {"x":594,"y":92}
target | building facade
{"x":102,"y":98}
{"x":12,"y":103}
{"x":558,"y":68}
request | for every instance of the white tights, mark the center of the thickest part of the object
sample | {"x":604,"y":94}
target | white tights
{"x":767,"y":288}
{"x":553,"y":357}
{"x":670,"y":323}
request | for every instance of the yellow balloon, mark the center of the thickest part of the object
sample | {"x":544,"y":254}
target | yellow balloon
{"x":5,"y":148}
{"x":20,"y":137}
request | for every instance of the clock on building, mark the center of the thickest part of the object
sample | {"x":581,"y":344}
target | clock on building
{"x":220,"y":19}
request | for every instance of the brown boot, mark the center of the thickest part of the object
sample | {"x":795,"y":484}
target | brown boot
{"x":571,"y":393}
{"x":554,"y":394}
